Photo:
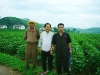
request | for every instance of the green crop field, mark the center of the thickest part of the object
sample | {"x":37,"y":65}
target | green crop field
{"x":85,"y":56}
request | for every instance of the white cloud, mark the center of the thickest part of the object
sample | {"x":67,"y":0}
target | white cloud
{"x":73,"y":13}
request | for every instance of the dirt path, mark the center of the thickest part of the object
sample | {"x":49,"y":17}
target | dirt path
{"x":8,"y":71}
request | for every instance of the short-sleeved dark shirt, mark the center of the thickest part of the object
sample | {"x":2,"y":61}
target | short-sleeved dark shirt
{"x":61,"y":44}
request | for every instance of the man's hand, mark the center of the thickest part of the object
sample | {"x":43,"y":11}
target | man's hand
{"x":51,"y":52}
{"x":40,"y":50}
{"x":70,"y":51}
{"x":53,"y":48}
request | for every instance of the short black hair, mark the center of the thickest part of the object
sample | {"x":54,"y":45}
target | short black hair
{"x":60,"y":24}
{"x":46,"y":24}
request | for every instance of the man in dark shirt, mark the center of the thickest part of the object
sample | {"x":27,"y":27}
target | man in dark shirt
{"x":62,"y":43}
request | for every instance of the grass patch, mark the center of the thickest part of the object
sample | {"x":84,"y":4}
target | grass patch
{"x":19,"y":65}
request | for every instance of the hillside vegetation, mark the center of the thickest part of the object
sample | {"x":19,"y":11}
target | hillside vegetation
{"x":10,"y":21}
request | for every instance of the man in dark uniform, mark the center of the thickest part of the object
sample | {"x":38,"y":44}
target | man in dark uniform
{"x":62,"y":43}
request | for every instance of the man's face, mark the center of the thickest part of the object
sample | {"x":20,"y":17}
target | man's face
{"x":61,"y":28}
{"x":47,"y":28}
{"x":31,"y":24}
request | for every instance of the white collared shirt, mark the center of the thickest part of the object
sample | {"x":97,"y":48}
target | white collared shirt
{"x":45,"y":40}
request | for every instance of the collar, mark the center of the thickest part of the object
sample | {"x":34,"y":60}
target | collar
{"x":47,"y":33}
{"x":32,"y":30}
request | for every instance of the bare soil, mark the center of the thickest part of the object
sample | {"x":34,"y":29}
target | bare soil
{"x":8,"y":71}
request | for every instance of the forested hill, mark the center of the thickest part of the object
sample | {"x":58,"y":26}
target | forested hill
{"x":10,"y":21}
{"x":90,"y":30}
{"x":95,"y":30}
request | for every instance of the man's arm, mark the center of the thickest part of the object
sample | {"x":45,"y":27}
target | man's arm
{"x":25,"y":35}
{"x":52,"y":49}
{"x":52,"y":46}
{"x":38,"y":34}
{"x":40,"y":43}
{"x":69,"y":43}
{"x":70,"y":49}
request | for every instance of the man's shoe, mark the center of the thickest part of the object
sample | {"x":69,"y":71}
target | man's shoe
{"x":68,"y":74}
{"x":43,"y":73}
{"x":59,"y":74}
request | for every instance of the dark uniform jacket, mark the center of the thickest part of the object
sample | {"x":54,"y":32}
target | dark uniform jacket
{"x":61,"y":44}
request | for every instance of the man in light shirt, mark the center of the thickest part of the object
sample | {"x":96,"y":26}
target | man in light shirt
{"x":45,"y":47}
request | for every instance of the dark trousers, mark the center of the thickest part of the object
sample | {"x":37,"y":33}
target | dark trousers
{"x":62,"y":62}
{"x":46,"y":55}
{"x":69,"y":59}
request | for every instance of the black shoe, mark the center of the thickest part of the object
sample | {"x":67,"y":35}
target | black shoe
{"x":68,"y":74}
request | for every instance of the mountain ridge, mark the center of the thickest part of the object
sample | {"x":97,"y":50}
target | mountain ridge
{"x":87,"y":30}
{"x":10,"y":21}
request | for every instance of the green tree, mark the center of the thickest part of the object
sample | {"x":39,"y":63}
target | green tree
{"x":65,"y":30}
{"x":10,"y":21}
{"x":68,"y":30}
{"x":55,"y":29}
{"x":74,"y":30}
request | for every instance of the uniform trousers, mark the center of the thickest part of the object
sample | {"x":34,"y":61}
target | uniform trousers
{"x":31,"y":51}
{"x":62,"y":63}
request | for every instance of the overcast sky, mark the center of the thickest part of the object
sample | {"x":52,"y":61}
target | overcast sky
{"x":73,"y":13}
